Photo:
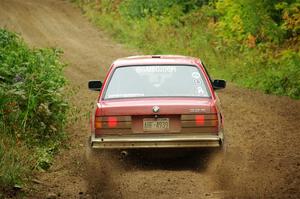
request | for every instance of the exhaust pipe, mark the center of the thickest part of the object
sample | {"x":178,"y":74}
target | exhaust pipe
{"x":124,"y":154}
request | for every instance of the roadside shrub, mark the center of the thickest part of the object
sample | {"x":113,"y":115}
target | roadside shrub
{"x":241,"y":20}
{"x":250,"y":42}
{"x":14,"y":163}
{"x":32,"y":102}
{"x":32,"y":106}
{"x":290,"y":15}
{"x":282,"y":75}
{"x":136,"y":9}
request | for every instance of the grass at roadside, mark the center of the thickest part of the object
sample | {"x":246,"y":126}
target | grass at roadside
{"x":33,"y":109}
{"x":267,"y":65}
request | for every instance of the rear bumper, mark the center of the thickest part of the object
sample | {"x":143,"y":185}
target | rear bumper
{"x":156,"y":141}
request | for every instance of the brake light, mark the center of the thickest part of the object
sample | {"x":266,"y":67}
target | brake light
{"x":112,"y":122}
{"x":206,"y":120}
{"x":199,"y":120}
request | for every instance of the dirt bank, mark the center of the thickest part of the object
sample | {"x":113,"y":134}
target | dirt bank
{"x":263,"y":156}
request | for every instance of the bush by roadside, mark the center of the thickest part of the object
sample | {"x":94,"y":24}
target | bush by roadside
{"x":33,"y":109}
{"x":252,"y":43}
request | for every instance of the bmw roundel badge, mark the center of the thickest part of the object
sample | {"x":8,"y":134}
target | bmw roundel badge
{"x":155,"y":109}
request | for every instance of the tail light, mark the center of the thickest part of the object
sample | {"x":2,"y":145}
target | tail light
{"x":112,"y":122}
{"x":200,"y":123}
{"x":207,"y":120}
{"x":199,"y":120}
{"x":98,"y":123}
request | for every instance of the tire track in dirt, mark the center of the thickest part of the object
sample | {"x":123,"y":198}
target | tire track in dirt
{"x":262,"y":159}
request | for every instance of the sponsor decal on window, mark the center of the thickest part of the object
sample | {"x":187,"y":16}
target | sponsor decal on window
{"x":156,"y":69}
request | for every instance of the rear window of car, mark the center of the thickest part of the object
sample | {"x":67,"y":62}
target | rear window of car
{"x":156,"y":81}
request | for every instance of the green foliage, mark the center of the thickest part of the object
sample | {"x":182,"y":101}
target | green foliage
{"x":282,"y":75}
{"x":32,"y":105}
{"x":14,"y":162}
{"x":241,"y":18}
{"x":252,"y":43}
{"x":141,"y":9}
{"x":291,"y":17}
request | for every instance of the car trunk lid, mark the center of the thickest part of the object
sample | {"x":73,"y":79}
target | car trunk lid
{"x":167,"y":106}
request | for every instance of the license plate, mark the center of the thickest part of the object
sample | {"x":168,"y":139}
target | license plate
{"x":158,"y":124}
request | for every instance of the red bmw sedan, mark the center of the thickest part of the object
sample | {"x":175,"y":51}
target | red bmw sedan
{"x":158,"y":101}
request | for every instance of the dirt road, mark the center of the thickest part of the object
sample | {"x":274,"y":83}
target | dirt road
{"x":263,"y":131}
